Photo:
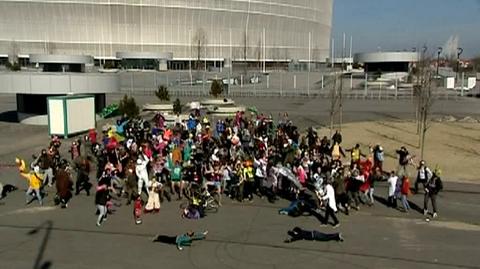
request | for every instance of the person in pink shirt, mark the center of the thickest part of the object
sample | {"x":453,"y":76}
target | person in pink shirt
{"x":301,"y":175}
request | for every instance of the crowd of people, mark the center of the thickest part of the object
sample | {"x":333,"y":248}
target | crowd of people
{"x":240,"y":158}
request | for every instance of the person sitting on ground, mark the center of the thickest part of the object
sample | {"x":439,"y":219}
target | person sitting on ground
{"x":180,"y":240}
{"x":299,"y":234}
{"x":297,"y":208}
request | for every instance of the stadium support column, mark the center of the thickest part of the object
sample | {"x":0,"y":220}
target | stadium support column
{"x":309,"y":61}
{"x":264,"y":51}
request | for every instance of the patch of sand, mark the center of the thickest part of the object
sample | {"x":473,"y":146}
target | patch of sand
{"x":452,"y":146}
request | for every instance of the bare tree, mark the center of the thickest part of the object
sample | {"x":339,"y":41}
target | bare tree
{"x":199,"y":42}
{"x":423,"y":94}
{"x":335,"y":100}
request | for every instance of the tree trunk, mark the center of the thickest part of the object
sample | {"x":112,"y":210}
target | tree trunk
{"x":340,"y":104}
{"x":424,"y":132}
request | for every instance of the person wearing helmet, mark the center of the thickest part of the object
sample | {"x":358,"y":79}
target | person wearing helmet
{"x":423,"y":175}
{"x":432,"y":187}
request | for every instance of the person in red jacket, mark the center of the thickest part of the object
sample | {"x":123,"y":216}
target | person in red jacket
{"x":405,"y":190}
{"x":137,"y":210}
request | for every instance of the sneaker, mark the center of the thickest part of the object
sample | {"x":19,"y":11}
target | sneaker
{"x":435,"y":215}
{"x":425,"y":212}
{"x":323,"y":224}
{"x":340,"y":237}
{"x":99,"y":224}
{"x":154,"y":239}
{"x":336,"y":226}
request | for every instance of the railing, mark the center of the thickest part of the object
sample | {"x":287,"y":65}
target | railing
{"x":195,"y":91}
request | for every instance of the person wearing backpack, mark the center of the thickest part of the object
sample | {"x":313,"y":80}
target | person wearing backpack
{"x":433,"y":186}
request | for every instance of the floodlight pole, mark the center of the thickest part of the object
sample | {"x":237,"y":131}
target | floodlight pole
{"x":459,"y":53}
{"x":439,"y":51}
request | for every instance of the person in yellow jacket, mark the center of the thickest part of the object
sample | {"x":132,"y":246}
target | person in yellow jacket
{"x":249,"y":180}
{"x":34,"y":182}
{"x":337,"y":152}
{"x":356,"y":154}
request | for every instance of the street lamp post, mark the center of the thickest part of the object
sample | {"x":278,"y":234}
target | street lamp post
{"x":439,"y":51}
{"x":459,"y":52}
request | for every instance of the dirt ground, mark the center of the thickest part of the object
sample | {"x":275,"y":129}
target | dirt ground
{"x":452,"y":146}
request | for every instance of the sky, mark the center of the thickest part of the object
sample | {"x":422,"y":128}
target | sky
{"x":396,"y":25}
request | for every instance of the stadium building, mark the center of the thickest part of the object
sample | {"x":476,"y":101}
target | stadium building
{"x":172,"y":33}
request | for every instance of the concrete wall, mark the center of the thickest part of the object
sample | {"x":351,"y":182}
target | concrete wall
{"x":58,"y":83}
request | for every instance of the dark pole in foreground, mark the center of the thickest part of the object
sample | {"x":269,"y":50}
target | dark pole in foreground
{"x":43,"y":246}
{"x":439,"y":51}
{"x":459,"y":52}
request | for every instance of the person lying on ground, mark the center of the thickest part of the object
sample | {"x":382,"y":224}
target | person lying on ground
{"x":181,"y":240}
{"x":299,"y":234}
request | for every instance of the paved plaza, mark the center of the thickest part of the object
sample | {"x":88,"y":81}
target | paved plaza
{"x":241,"y":235}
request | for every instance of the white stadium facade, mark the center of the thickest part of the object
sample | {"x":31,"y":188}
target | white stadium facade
{"x":269,"y":30}
{"x":58,"y":47}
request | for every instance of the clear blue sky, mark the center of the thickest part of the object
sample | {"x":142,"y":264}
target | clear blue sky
{"x":404,"y":24}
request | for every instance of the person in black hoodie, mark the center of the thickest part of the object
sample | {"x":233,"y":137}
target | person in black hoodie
{"x":433,"y":186}
{"x":101,"y":199}
{"x":299,"y":234}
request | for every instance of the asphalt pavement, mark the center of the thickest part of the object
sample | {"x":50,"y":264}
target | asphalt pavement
{"x":240,"y":235}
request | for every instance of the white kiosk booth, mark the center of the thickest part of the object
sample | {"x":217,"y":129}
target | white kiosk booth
{"x":71,"y":114}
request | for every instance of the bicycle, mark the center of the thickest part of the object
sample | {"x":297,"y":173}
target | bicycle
{"x":202,"y":200}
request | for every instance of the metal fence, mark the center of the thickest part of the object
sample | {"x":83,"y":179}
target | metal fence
{"x":279,"y":84}
{"x":272,"y":93}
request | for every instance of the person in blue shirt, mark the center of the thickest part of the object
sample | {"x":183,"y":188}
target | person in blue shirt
{"x":191,"y":123}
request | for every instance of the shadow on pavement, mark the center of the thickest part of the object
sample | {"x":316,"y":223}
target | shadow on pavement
{"x":9,"y":116}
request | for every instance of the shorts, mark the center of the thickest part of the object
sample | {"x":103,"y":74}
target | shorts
{"x":217,"y":184}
